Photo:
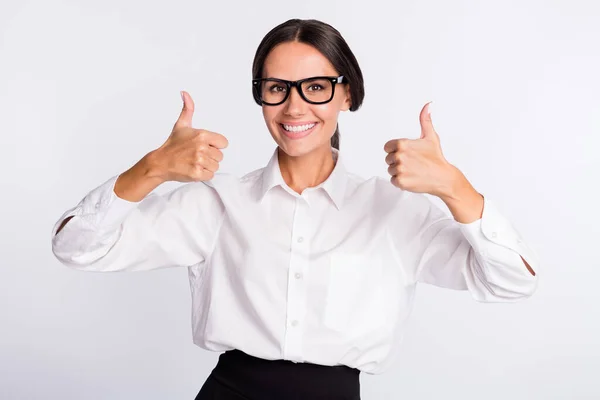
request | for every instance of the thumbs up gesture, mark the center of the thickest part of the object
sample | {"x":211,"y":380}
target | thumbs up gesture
{"x":418,"y":165}
{"x":188,"y":154}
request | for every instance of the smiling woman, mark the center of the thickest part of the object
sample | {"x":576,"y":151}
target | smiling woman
{"x":302,"y":274}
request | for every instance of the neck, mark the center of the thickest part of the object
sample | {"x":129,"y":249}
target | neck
{"x":306,"y":171}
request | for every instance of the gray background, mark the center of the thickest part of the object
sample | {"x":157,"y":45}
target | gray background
{"x":87,"y":88}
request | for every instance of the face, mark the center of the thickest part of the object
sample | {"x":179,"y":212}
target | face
{"x":294,"y":61}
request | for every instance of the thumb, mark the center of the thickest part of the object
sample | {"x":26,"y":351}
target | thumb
{"x":185,"y":118}
{"x":427,"y":130}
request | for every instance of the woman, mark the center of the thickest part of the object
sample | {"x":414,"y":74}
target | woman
{"x":301,"y":273}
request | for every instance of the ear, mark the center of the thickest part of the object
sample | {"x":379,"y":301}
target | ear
{"x":347,"y":99}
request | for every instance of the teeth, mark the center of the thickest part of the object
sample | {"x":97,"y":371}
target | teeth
{"x":298,"y":128}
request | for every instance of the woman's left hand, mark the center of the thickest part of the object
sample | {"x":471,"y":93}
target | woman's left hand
{"x":418,"y":165}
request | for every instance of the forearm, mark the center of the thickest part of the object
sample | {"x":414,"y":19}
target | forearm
{"x":461,"y":198}
{"x":132,"y":185}
{"x":138,"y":181}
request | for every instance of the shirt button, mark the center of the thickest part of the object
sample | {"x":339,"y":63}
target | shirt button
{"x":97,"y":205}
{"x":300,"y":239}
{"x":298,"y":275}
{"x":494,"y":235}
{"x":294,"y":323}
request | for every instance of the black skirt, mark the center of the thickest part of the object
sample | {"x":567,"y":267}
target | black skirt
{"x":239,"y":376}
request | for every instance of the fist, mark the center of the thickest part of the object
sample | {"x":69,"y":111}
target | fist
{"x":418,"y":165}
{"x":189,"y":154}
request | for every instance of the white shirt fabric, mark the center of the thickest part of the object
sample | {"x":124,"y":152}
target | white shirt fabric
{"x":327,"y":276}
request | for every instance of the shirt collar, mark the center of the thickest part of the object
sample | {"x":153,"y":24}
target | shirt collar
{"x":334,"y":185}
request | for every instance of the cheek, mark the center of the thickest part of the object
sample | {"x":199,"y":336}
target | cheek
{"x":326,"y":112}
{"x":269,"y":113}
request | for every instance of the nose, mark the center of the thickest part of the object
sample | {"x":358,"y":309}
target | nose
{"x":295,"y":105}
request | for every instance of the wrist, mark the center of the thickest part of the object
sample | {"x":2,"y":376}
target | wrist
{"x":454,"y":185}
{"x":151,"y":168}
{"x":139,"y":180}
{"x":464,"y":202}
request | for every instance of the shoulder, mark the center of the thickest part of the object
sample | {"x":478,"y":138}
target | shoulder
{"x":376,"y":188}
{"x":222,"y":180}
{"x":231,"y":188}
{"x":252,"y":176}
{"x":382,"y":195}
{"x":192,"y":194}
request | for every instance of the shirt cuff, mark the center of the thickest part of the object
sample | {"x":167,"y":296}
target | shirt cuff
{"x":107,"y":208}
{"x":494,"y":229}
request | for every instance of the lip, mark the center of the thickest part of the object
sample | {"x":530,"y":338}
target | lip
{"x":296,"y":123}
{"x":297,"y":135}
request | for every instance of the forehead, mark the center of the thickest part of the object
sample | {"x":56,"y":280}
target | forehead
{"x":295,"y":60}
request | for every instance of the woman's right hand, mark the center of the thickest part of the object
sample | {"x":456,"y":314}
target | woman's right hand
{"x":188,"y":154}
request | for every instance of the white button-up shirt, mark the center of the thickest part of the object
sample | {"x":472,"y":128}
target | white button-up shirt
{"x":327,"y":276}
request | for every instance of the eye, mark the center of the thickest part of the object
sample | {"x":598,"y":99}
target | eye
{"x":315,"y":87}
{"x":277,"y":87}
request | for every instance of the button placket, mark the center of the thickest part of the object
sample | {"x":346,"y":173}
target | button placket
{"x":296,"y":294}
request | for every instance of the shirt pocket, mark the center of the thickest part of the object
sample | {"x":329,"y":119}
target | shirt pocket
{"x":355,"y":300}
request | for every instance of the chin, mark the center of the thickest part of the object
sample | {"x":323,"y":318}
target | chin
{"x":295,"y":149}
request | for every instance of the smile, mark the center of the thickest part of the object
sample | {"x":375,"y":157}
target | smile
{"x":297,"y":128}
{"x":297,"y":131}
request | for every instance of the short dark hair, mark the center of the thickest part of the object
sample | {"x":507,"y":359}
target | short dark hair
{"x":329,"y":42}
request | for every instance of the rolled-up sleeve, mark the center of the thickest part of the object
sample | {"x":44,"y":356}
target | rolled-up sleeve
{"x":499,"y":249}
{"x":483,"y":257}
{"x":107,"y":233}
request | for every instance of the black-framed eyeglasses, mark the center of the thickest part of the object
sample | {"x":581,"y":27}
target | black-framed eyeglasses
{"x":314,"y":90}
